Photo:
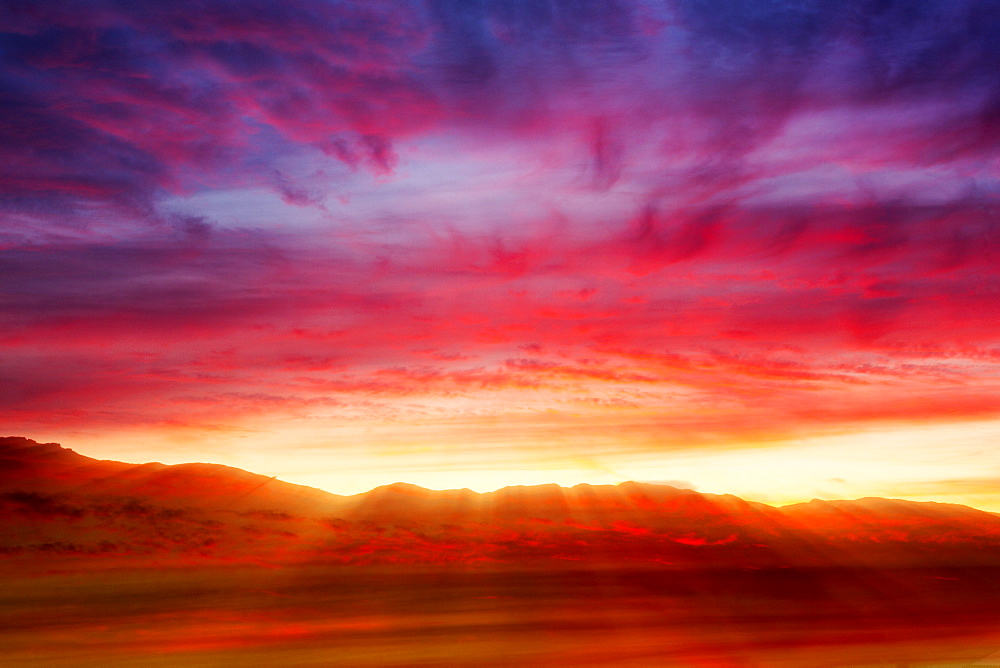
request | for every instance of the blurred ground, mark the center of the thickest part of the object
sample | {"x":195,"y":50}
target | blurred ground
{"x":381,"y":616}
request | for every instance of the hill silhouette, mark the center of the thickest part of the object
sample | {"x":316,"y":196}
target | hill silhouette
{"x":60,"y":505}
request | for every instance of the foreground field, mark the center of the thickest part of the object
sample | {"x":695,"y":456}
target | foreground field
{"x":451,"y":617}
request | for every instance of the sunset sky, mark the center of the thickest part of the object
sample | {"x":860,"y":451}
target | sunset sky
{"x":744,"y":246}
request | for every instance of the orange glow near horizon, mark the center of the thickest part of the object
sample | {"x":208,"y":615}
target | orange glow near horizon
{"x":896,"y":461}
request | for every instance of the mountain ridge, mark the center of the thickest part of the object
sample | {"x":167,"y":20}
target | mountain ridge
{"x":58,"y":504}
{"x":7,"y":443}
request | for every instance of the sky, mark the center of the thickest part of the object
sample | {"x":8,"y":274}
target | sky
{"x":746,"y":247}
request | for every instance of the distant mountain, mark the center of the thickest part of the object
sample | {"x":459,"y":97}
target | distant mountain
{"x":52,"y":469}
{"x":59,"y":507}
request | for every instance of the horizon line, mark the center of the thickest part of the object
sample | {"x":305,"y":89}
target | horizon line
{"x":402,"y":483}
